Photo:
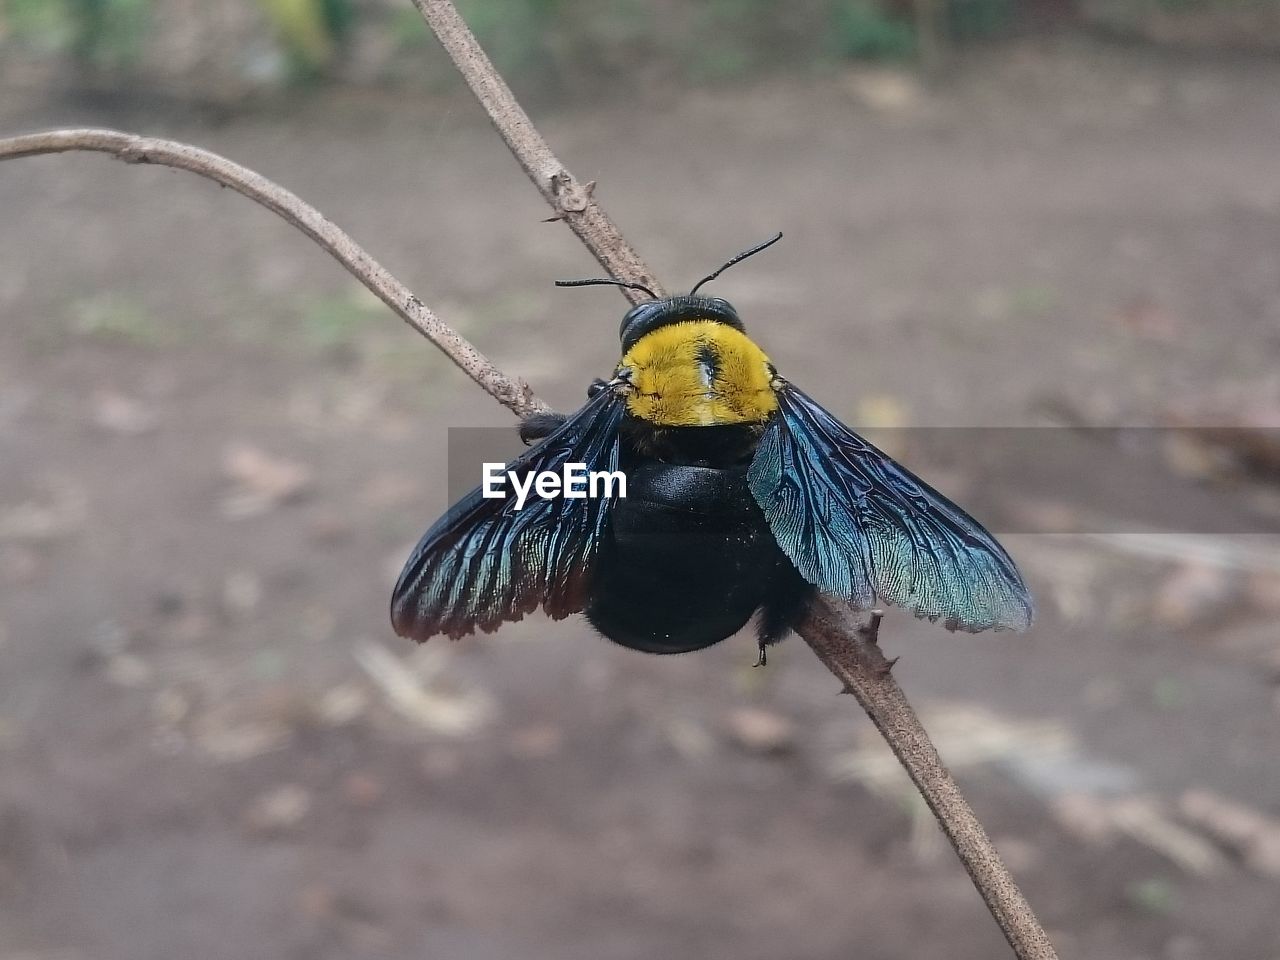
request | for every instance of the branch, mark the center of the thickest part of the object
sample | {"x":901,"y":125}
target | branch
{"x":848,"y":651}
{"x":513,"y":394}
{"x":572,"y":201}
{"x":852,"y":653}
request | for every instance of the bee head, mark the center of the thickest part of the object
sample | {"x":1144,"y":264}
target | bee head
{"x":646,"y":317}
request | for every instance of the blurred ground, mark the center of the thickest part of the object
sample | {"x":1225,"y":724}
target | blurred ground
{"x":214,"y":456}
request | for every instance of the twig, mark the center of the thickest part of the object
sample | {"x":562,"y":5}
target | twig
{"x":852,"y":656}
{"x":852,"y":653}
{"x":514,"y":394}
{"x":571,"y":200}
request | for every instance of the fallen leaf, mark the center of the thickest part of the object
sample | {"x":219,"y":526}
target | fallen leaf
{"x":1190,"y":455}
{"x":1097,"y":819}
{"x":1252,"y":835}
{"x":59,"y":513}
{"x":440,"y":762}
{"x":362,"y":789}
{"x":431,"y":705}
{"x":1145,"y":820}
{"x":118,"y":413}
{"x":389,"y":489}
{"x":881,"y":412}
{"x":227,"y":739}
{"x":1083,"y":815}
{"x":329,"y":528}
{"x":19,"y":564}
{"x":342,"y":705}
{"x":128,"y":670}
{"x":1234,"y":433}
{"x":1145,"y":318}
{"x":1263,"y":592}
{"x":241,"y":593}
{"x":262,"y":481}
{"x":170,"y":707}
{"x":689,"y":738}
{"x":885,"y":90}
{"x":883,"y":418}
{"x":318,"y":901}
{"x":761,"y":731}
{"x":1194,"y":593}
{"x":279,"y":809}
{"x":1042,"y":754}
{"x":1019,"y":855}
{"x":537,"y":741}
{"x":1253,"y":639}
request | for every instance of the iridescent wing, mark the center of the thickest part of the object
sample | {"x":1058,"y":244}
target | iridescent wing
{"x":862,"y":527}
{"x":486,"y":562}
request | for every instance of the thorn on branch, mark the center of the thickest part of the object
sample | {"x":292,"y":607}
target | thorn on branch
{"x":886,"y":668}
{"x":869,"y":632}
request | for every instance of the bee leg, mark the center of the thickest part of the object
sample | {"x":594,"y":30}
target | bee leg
{"x":539,"y":426}
{"x":770,"y":628}
{"x":780,"y":612}
{"x":595,"y":387}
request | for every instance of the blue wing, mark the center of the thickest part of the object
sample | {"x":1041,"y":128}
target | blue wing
{"x":485,"y":562}
{"x":862,"y":527}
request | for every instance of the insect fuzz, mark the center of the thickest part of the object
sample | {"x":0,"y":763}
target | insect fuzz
{"x":696,"y":373}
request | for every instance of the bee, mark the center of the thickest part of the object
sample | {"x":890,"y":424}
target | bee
{"x":744,"y":498}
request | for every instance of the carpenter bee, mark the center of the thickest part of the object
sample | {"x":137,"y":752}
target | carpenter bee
{"x":743,"y":497}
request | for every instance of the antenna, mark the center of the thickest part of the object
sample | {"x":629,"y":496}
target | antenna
{"x":609,"y":282}
{"x":738,"y":259}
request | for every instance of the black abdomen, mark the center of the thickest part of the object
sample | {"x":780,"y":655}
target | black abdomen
{"x":688,"y":559}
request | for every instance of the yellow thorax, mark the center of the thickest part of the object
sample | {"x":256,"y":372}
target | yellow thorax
{"x":698,"y":373}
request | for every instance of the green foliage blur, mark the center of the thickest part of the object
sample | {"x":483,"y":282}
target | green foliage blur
{"x":862,"y":30}
{"x":540,"y":42}
{"x":550,"y":44}
{"x":978,"y":19}
{"x":311,"y":32}
{"x":97,"y":33}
